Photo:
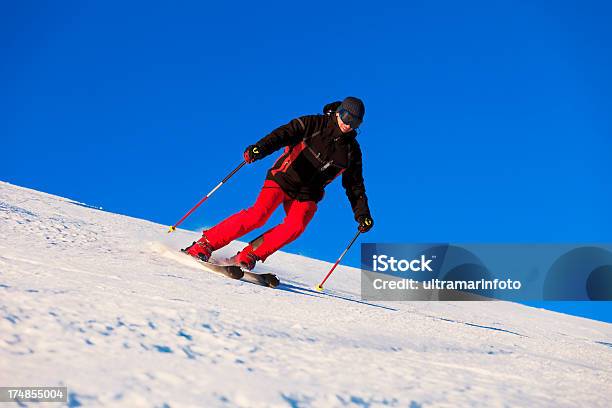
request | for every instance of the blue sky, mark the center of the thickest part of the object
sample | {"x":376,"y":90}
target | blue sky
{"x":486,"y":121}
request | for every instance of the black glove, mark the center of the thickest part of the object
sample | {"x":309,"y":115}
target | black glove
{"x":252,"y":153}
{"x":365,"y":223}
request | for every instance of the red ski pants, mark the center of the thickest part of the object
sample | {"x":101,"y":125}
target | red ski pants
{"x":298,"y":215}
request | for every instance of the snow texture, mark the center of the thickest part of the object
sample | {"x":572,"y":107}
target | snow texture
{"x":104,"y":304}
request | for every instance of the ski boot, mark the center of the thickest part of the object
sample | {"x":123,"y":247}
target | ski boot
{"x":200,"y":249}
{"x":245,"y":259}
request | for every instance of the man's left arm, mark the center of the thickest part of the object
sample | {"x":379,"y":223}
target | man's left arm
{"x":352,"y":181}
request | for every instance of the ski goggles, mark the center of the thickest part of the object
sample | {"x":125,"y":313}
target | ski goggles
{"x":349,"y":119}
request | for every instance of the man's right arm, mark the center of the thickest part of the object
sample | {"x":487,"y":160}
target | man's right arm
{"x":286,"y":135}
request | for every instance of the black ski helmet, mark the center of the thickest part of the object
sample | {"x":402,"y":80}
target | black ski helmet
{"x":351,"y":111}
{"x":354,"y":106}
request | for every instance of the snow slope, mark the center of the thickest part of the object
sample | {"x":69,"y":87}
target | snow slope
{"x":104,"y":304}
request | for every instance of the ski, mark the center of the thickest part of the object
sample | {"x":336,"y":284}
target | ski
{"x":263,"y":279}
{"x":235,"y":272}
{"x":230,"y":271}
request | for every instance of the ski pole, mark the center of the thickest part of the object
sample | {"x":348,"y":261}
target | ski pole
{"x":173,"y":227}
{"x":319,"y":287}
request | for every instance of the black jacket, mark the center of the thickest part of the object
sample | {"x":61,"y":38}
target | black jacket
{"x":316,"y":152}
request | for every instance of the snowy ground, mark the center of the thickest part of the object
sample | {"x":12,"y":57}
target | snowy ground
{"x":102,"y":303}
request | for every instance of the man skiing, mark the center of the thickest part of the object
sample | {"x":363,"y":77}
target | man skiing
{"x":318,"y":148}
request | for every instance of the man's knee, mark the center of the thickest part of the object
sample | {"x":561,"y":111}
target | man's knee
{"x":296,"y":227}
{"x":296,"y":231}
{"x":257,"y":216}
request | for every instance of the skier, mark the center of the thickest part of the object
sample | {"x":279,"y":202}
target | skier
{"x":318,"y":148}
